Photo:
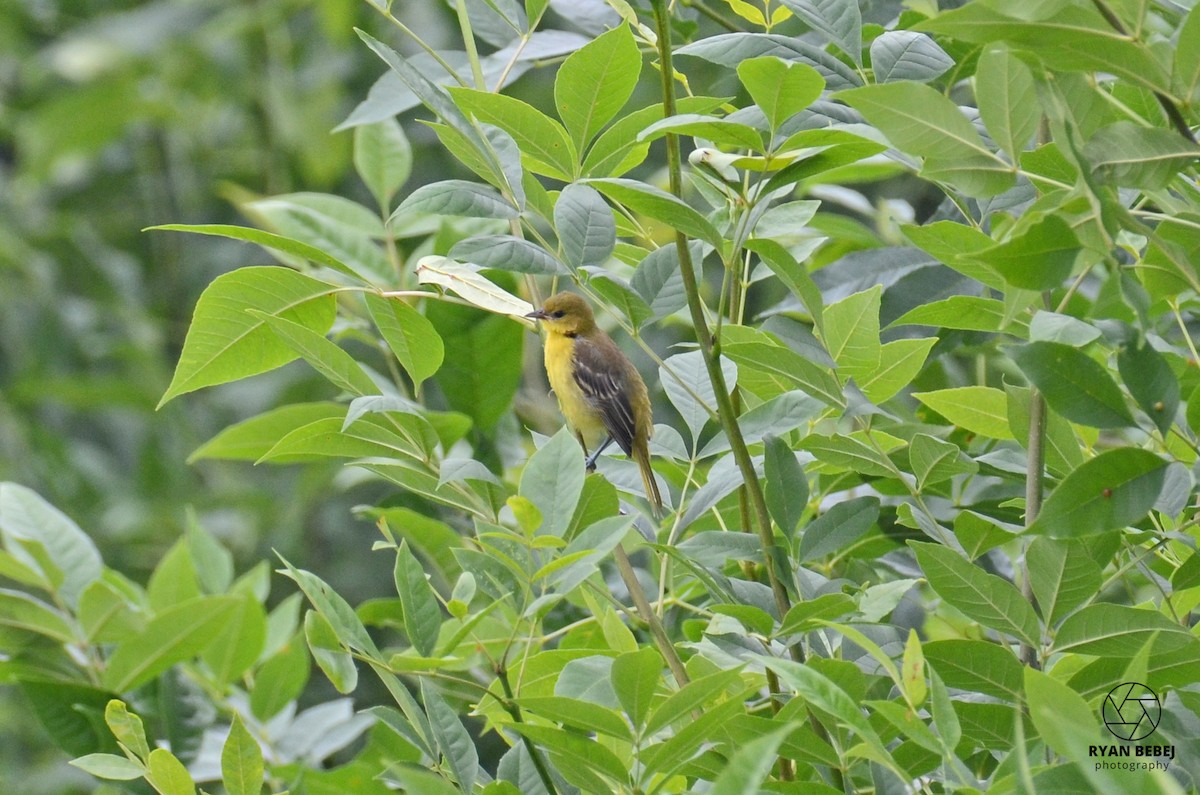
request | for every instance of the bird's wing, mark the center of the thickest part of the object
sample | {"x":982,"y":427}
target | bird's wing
{"x":601,"y":377}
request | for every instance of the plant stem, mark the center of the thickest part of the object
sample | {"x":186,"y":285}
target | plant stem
{"x":709,"y":347}
{"x":648,"y":615}
{"x":511,"y":707}
{"x":464,"y":23}
{"x":1033,"y":496}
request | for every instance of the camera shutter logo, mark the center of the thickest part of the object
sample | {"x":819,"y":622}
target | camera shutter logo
{"x":1131,"y":711}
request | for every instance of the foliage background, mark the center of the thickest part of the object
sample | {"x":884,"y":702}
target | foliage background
{"x":115,"y":116}
{"x":193,"y":110}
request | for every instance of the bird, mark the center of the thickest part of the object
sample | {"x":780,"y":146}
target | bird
{"x":600,"y":392}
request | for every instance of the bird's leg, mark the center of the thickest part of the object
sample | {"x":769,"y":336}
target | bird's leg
{"x":591,"y":461}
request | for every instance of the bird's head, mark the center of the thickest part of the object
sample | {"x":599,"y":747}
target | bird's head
{"x":565,"y":313}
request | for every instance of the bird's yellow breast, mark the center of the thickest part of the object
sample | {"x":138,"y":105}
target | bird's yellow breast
{"x":560,"y":369}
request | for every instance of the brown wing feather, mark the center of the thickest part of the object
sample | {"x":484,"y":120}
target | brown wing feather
{"x":600,"y":373}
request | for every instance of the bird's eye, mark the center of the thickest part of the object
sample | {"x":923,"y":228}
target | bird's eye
{"x":559,"y":313}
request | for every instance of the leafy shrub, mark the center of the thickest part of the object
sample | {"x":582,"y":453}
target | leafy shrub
{"x":933,"y":477}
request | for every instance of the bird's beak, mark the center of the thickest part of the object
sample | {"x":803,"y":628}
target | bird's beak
{"x":537,"y":314}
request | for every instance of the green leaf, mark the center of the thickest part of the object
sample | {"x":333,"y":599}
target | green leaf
{"x":508,"y":253}
{"x":327,"y":650}
{"x":20,"y":611}
{"x":127,"y":728}
{"x":482,"y":366}
{"x":934,"y":460}
{"x":168,"y":775}
{"x":793,"y":274}
{"x":345,"y":229}
{"x":815,"y":613}
{"x":684,"y":378}
{"x":174,"y":579}
{"x":1109,"y":630}
{"x":1055,"y":327}
{"x":1152,"y":383}
{"x":977,"y":667}
{"x":967,"y":312}
{"x":242,"y":759}
{"x":579,"y":714}
{"x":1109,"y":492}
{"x":618,"y":149}
{"x":986,"y":598}
{"x":109,"y":766}
{"x":69,"y":713}
{"x":1061,"y":716}
{"x":690,"y":737}
{"x":850,"y":453}
{"x":586,"y":550}
{"x":280,"y":680}
{"x":923,"y":122}
{"x":824,"y":694}
{"x":945,"y":717}
{"x":1075,"y":38}
{"x":917,"y":119}
{"x":635,"y":677}
{"x":851,"y":333}
{"x":240,"y":641}
{"x":1007,"y":98}
{"x":586,"y":229}
{"x":553,"y":481}
{"x":580,"y":753}
{"x":457,"y":197}
{"x":838,"y":528}
{"x":973,"y":175}
{"x":979,"y":409}
{"x":409,"y":334}
{"x":839,"y":20}
{"x":776,"y":369}
{"x":422,"y":617}
{"x":451,"y":737}
{"x":1186,"y":76}
{"x":249,"y":439}
{"x":786,"y":487}
{"x":751,"y":763}
{"x":953,"y":244}
{"x":730,"y":49}
{"x":546,"y":148}
{"x":907,"y":55}
{"x":269,"y":240}
{"x":899,"y":363}
{"x":225,"y":343}
{"x":912,"y":670}
{"x":107,"y":614}
{"x":595,"y":82}
{"x":1039,"y":258}
{"x":778,"y":415}
{"x":661,"y":206}
{"x":691,"y":697}
{"x":330,"y":604}
{"x":781,"y":89}
{"x":414,"y":780}
{"x":719,"y":131}
{"x":26,"y":519}
{"x":178,"y":633}
{"x":1136,"y":156}
{"x":328,"y":439}
{"x":338,"y":367}
{"x":383,"y":158}
{"x":1063,"y":576}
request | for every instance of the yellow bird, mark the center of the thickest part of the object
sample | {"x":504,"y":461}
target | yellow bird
{"x":599,"y":390}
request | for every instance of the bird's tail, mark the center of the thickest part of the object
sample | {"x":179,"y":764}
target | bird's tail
{"x":642,"y":455}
